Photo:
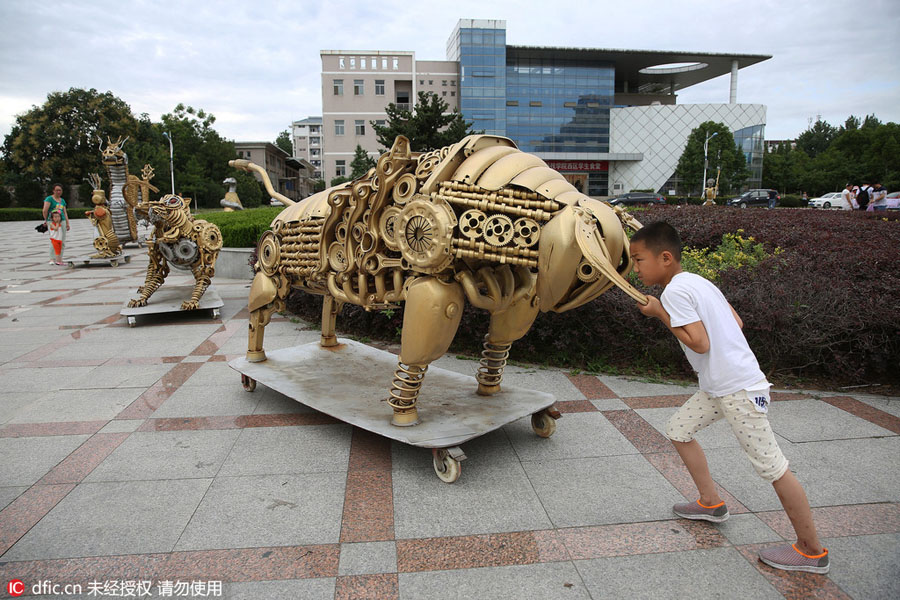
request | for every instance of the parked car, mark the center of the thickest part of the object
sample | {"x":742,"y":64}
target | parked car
{"x":830,"y":200}
{"x":633,"y":198}
{"x":753,"y":198}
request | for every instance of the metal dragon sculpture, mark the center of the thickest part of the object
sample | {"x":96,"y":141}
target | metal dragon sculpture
{"x":179,"y":240}
{"x":478,"y":221}
{"x":126,"y":192}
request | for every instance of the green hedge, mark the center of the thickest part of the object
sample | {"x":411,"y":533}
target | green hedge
{"x":792,"y":201}
{"x":242,"y":228}
{"x":36,"y":214}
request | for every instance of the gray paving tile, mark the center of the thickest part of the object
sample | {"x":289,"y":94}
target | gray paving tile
{"x":493,"y":494}
{"x":121,"y":376}
{"x":792,"y":421}
{"x":166,"y":455}
{"x":99,"y":519}
{"x":832,"y":473}
{"x":719,"y":573}
{"x":8,"y":494}
{"x":209,"y":401}
{"x":747,"y":529}
{"x":717,"y":435}
{"x":866,"y":566}
{"x":627,"y":387}
{"x":12,"y":403}
{"x":275,"y":403}
{"x":548,"y":581}
{"x":543,"y":380}
{"x":368,"y":557}
{"x":305,"y":589}
{"x":302,"y":449}
{"x":578,"y":435}
{"x":77,"y":405}
{"x":27,"y":459}
{"x":213,"y":373}
{"x":268,"y":510}
{"x":596,"y":491}
{"x":30,"y":379}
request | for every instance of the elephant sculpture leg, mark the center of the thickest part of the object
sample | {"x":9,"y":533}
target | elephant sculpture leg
{"x":506,"y":327}
{"x":330,"y":310}
{"x":430,"y":320}
{"x":157,"y":271}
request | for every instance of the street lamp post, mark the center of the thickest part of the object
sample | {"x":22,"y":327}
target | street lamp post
{"x":171,"y":160}
{"x":706,"y":162}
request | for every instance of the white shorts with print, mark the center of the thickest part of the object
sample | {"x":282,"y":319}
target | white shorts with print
{"x":750,"y":426}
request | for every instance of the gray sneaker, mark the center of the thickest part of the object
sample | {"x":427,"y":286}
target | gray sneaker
{"x":698,"y":512}
{"x":788,"y":558}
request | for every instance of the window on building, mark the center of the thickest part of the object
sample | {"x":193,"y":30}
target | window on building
{"x":360,"y":127}
{"x":535,"y":103}
{"x":339,"y":127}
{"x":362,"y":63}
{"x":380,"y":122}
{"x":444,"y":82}
{"x":358,"y":87}
{"x":421,"y":82}
{"x":338,"y":87}
{"x":444,"y":93}
{"x":379,"y":87}
{"x":569,"y":104}
{"x":512,"y":102}
{"x":431,"y":82}
{"x":340,"y":168}
{"x":452,"y":92}
{"x":452,"y":83}
{"x":314,"y":129}
{"x":314,"y":151}
{"x":314,"y":140}
{"x":396,"y":63}
{"x":352,"y":62}
{"x":384,"y":64}
{"x":341,"y":63}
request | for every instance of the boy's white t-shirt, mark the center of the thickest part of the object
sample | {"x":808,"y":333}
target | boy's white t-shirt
{"x":730,"y":365}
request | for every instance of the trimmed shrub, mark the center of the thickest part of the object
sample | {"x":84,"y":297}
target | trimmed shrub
{"x":792,"y":201}
{"x":19,"y":213}
{"x":242,"y":228}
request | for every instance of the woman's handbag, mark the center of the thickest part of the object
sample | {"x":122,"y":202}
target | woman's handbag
{"x":42,"y":228}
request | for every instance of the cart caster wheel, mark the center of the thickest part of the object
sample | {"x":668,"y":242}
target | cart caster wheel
{"x":543,"y":424}
{"x":215,"y":313}
{"x":114,"y":263}
{"x":132,"y":321}
{"x":446,"y":467}
{"x":248,"y":382}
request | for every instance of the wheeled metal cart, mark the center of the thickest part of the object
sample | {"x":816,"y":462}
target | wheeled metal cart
{"x":168,"y":300}
{"x":350,"y":382}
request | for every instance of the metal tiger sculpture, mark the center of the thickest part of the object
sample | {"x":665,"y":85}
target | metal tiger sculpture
{"x":127,"y":193}
{"x":478,"y":221}
{"x":179,"y":240}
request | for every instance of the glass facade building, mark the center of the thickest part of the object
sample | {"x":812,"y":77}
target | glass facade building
{"x":751,"y":141}
{"x":481,"y":52}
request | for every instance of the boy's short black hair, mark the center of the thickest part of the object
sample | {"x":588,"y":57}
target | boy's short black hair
{"x":659,"y":236}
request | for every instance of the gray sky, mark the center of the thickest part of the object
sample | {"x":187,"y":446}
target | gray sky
{"x":256,"y":67}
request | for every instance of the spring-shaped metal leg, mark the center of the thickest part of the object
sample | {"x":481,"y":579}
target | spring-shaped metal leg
{"x":493,"y":360}
{"x":404,"y":393}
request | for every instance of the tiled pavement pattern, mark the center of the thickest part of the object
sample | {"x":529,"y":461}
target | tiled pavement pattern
{"x":134,"y":454}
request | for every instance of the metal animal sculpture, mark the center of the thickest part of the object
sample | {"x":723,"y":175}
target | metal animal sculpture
{"x":106,"y":243}
{"x":179,"y":240}
{"x":478,"y":221}
{"x":231,"y":201}
{"x":127,"y":193}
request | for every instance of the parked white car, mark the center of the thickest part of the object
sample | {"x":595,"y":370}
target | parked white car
{"x":830,"y":200}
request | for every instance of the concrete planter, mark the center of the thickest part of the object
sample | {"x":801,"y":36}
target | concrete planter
{"x":233,"y":263}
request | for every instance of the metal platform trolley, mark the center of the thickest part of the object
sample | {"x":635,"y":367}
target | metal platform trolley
{"x":350,"y":381}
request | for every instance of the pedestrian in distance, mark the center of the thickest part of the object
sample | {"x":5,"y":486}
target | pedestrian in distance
{"x":56,"y":236}
{"x":879,"y":198}
{"x":847,"y":197}
{"x":732,"y":386}
{"x":52,"y":203}
{"x":773,"y":198}
{"x":863,"y":196}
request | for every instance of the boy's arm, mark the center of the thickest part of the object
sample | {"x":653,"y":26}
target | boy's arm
{"x":693,"y":335}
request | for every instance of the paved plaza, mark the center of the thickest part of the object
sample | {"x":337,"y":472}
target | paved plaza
{"x":132,"y":455}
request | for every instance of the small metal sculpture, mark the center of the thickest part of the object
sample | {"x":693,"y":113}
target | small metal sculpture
{"x":478,"y":220}
{"x":179,"y":240}
{"x":106,"y":243}
{"x":231,"y":201}
{"x":127,"y":193}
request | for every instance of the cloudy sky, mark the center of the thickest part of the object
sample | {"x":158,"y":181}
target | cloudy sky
{"x":256,"y":67}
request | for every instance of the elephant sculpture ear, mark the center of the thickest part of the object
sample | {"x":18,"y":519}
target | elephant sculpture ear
{"x":589,"y":240}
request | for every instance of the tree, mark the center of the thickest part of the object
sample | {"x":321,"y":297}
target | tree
{"x":722,"y":152}
{"x":283,"y":141}
{"x":361,"y":163}
{"x":248,"y":189}
{"x":58,"y":141}
{"x":427,"y":126}
{"x":816,"y":138}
